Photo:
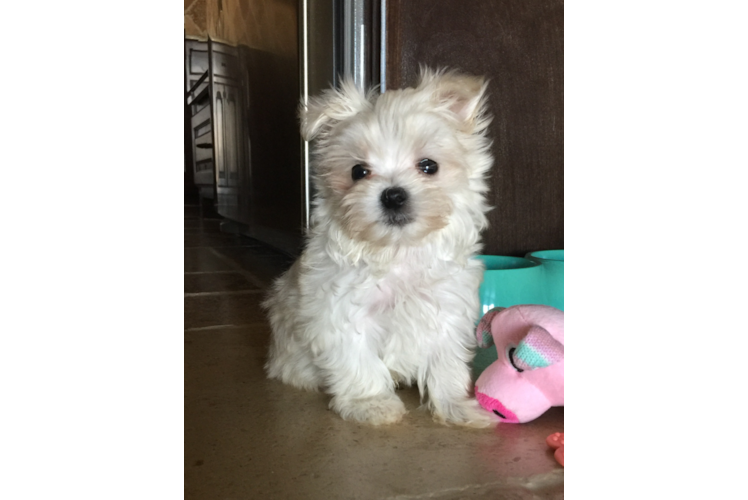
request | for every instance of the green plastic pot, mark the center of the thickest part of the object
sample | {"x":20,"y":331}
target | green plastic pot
{"x":552,"y":276}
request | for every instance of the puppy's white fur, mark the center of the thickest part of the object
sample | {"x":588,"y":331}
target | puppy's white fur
{"x":370,"y":304}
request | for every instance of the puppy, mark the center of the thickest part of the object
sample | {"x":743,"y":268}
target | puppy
{"x":385,"y":291}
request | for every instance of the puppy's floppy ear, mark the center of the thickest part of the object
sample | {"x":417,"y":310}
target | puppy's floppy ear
{"x":330,"y":108}
{"x":463,"y":95}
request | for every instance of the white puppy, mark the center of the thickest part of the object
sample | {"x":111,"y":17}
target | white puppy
{"x":386,"y":291}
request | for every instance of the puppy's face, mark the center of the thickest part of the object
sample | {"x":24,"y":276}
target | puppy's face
{"x":394,"y":168}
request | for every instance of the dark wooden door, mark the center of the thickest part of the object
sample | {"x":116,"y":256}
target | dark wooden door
{"x":519,"y":46}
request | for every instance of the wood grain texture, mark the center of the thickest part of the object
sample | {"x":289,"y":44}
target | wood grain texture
{"x":519,"y":46}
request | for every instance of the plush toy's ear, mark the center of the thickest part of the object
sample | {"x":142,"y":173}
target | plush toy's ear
{"x":334,"y":105}
{"x":537,"y":349}
{"x":463,"y":95}
{"x":483,"y":330}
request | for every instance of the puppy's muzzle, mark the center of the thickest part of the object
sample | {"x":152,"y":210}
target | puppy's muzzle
{"x":395,"y":203}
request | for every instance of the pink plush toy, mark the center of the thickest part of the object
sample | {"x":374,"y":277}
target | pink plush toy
{"x":528,"y":376}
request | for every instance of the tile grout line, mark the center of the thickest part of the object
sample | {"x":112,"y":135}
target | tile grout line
{"x":209,"y":272}
{"x":229,"y":246}
{"x":224,"y":292}
{"x":223,"y":327}
{"x":251,"y":277}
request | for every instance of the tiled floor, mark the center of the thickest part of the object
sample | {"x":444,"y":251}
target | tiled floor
{"x":247,"y":437}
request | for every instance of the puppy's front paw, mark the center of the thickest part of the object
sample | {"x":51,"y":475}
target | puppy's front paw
{"x":467,"y":412}
{"x":377,"y":410}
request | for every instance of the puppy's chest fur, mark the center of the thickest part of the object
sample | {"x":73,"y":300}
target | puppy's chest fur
{"x":392,"y":290}
{"x":397,"y":301}
{"x":377,"y":293}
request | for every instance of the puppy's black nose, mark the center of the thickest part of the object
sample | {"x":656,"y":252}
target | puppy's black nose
{"x":394,"y":198}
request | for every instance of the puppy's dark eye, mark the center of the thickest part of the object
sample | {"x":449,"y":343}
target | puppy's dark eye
{"x":428,"y":166}
{"x":358,"y":172}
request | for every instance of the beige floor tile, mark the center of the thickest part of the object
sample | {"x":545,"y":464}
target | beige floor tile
{"x":201,"y":259}
{"x":217,"y":282}
{"x":249,"y":437}
{"x":238,"y":308}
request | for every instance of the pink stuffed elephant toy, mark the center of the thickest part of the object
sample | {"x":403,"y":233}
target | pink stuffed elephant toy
{"x":528,"y":376}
